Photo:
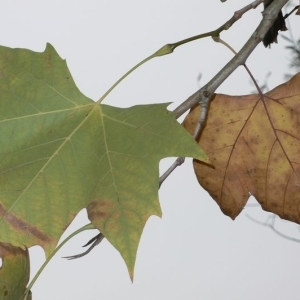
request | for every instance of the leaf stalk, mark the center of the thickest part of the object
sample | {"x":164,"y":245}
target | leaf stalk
{"x":85,"y":227}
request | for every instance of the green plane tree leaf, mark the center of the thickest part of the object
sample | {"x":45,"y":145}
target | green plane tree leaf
{"x":61,"y":152}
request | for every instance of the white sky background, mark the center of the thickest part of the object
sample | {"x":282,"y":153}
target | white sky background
{"x":194,"y":251}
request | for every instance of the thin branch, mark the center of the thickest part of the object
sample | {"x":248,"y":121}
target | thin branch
{"x":250,"y":6}
{"x":272,"y":227}
{"x":218,"y":40}
{"x":178,"y":162}
{"x":236,"y":16}
{"x":294,"y":9}
{"x":203,"y":95}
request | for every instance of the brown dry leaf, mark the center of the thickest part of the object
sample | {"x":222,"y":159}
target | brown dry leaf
{"x":254,"y":145}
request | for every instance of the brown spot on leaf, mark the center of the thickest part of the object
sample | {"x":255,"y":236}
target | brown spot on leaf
{"x":21,"y":225}
{"x":99,"y":209}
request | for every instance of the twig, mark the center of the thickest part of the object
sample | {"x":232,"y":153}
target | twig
{"x":272,"y":227}
{"x":253,"y":5}
{"x":239,"y":59}
{"x":219,"y":40}
{"x":236,"y":16}
{"x":178,"y":162}
{"x":294,"y":9}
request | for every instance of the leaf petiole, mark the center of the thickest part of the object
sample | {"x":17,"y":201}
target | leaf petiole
{"x":165,"y":50}
{"x":85,"y":227}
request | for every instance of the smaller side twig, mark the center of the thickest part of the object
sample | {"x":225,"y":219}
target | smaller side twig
{"x":297,"y":7}
{"x":180,"y":160}
{"x":239,"y":13}
{"x":271,"y":225}
{"x":219,"y":40}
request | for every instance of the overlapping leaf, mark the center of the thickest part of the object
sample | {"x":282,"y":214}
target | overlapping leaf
{"x":61,"y":152}
{"x":254,"y":145}
{"x":14,"y":272}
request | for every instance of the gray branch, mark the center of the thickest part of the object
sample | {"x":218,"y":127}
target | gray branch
{"x":205,"y":93}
